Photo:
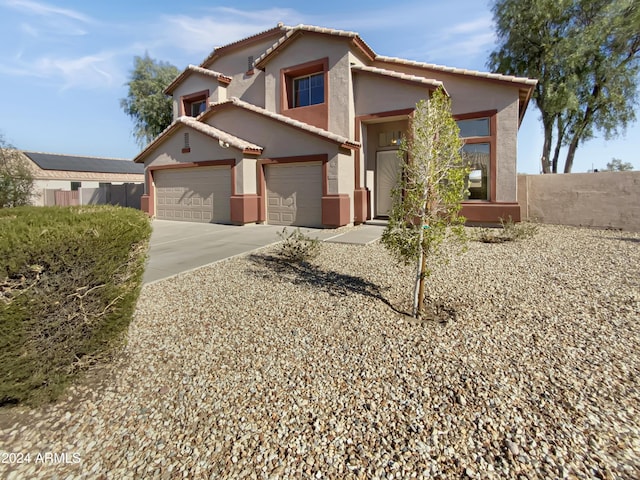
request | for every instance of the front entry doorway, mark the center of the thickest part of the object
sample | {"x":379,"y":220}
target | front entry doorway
{"x":387,"y":173}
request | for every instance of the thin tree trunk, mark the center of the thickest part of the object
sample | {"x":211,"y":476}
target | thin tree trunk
{"x":419,"y":272}
{"x":573,"y":146}
{"x":581,"y":125}
{"x":423,"y":279}
{"x":559,"y":138}
{"x":546,"y":148}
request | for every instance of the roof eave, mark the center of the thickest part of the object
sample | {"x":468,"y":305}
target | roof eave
{"x":187,"y":72}
{"x":524,"y":102}
{"x":220,"y":51}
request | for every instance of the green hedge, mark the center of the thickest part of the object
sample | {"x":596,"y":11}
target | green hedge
{"x":69,"y":281}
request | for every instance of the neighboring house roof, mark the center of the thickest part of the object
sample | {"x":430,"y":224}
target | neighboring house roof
{"x":432,"y":84}
{"x":343,"y":141}
{"x":294,"y":32}
{"x":258,"y":37}
{"x":73,"y":163}
{"x":205,"y":129}
{"x":191,"y":69}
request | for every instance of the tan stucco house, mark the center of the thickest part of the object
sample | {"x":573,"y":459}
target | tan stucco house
{"x":301,"y":126}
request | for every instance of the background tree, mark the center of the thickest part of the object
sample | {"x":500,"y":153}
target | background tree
{"x":16,"y":179}
{"x":586,"y":57}
{"x":146,"y":103}
{"x":427,"y":198}
{"x":617,"y":165}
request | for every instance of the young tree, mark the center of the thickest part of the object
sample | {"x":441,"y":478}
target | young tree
{"x":427,"y":198}
{"x":617,"y":165}
{"x":586,"y":57}
{"x":16,"y":179}
{"x":146,"y":103}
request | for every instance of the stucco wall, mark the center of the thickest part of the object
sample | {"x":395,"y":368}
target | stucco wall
{"x":470,"y":95}
{"x":308,"y":48}
{"x":602,"y":199}
{"x":202,"y":147}
{"x":280,"y":141}
{"x":193,"y":84}
{"x":277,"y":139}
{"x":249,"y":88}
{"x":246,"y":181}
{"x":376,"y":93}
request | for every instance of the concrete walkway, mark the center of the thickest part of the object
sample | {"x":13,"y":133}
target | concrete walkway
{"x":360,"y":235}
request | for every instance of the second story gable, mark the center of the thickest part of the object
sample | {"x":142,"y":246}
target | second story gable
{"x":328,"y":78}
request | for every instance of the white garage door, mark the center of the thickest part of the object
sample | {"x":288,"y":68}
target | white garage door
{"x":294,"y":194}
{"x":194,"y":194}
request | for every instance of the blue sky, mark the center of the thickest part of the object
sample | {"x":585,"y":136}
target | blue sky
{"x":63,"y":64}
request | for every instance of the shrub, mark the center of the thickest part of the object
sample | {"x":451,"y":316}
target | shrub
{"x":298,"y":247}
{"x":69,"y":281}
{"x":510,"y":231}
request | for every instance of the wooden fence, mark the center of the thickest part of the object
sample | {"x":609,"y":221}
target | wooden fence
{"x":125,"y":195}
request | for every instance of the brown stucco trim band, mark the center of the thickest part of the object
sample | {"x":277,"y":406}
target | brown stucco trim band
{"x":335,"y":210}
{"x":245,"y":209}
{"x":490,"y":213}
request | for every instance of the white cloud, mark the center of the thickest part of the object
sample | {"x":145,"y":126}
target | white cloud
{"x":271,"y":16}
{"x":45,"y":10}
{"x":29,"y":30}
{"x":481,"y":24}
{"x":464,"y":44}
{"x":199,"y":35}
{"x":86,"y":72}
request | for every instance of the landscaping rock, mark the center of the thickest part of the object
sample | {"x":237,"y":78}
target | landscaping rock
{"x":253,"y":369}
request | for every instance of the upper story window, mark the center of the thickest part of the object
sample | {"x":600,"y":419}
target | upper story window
{"x":478,"y":132}
{"x":194,"y":104}
{"x":304,"y":92}
{"x":308,"y":90}
{"x":198,"y":107}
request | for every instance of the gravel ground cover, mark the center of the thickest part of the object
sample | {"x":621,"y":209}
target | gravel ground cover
{"x":254,"y":369}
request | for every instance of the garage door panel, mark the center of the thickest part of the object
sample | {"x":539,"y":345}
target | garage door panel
{"x":294,"y":194}
{"x":194,"y":194}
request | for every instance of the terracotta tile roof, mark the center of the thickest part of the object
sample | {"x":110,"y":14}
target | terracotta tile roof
{"x":199,"y":70}
{"x":75,"y":163}
{"x":293,"y":32}
{"x":399,"y":75}
{"x":220,"y":135}
{"x":458,"y":71}
{"x":344,"y":141}
{"x":205,"y":129}
{"x":277,"y":30}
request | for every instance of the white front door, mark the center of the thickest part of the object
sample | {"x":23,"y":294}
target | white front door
{"x":387,"y":171}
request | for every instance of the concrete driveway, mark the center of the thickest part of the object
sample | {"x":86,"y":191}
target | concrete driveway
{"x":178,"y":247}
